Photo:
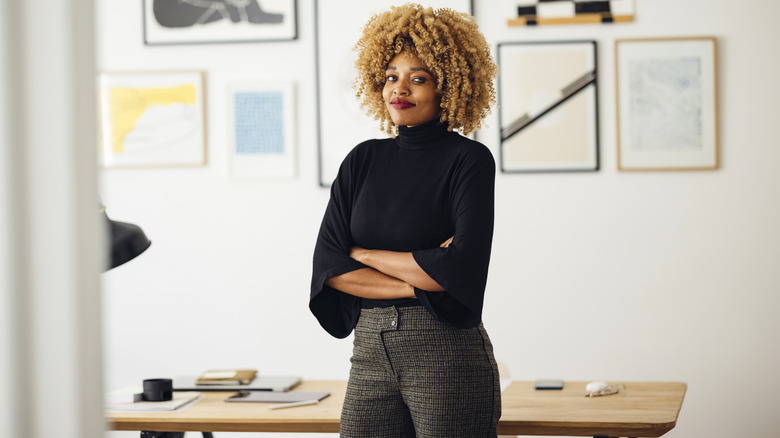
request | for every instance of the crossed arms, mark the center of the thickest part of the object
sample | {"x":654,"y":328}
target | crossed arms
{"x":389,"y":275}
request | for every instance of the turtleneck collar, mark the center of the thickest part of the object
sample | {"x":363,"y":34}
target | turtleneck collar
{"x":427,"y":135}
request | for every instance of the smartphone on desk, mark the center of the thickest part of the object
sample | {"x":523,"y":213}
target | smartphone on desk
{"x":547,"y":384}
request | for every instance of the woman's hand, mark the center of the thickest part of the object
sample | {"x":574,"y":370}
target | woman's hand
{"x":447,"y":242}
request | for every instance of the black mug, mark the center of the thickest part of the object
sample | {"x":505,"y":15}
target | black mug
{"x":158,"y":390}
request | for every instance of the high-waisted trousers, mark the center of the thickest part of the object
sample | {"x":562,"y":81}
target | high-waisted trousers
{"x":414,"y":376}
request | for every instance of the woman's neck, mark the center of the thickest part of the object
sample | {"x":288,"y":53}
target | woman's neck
{"x":426,"y":135}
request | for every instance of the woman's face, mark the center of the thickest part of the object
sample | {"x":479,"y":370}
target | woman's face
{"x":410,"y":91}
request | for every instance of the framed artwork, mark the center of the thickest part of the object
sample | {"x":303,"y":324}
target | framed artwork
{"x":342,"y":124}
{"x":152,"y":119}
{"x":543,"y":12}
{"x":667,"y":103}
{"x":218,"y":21}
{"x":262,"y":130}
{"x":548,"y":106}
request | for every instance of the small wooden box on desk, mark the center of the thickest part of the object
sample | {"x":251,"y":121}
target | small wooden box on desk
{"x":641,"y":409}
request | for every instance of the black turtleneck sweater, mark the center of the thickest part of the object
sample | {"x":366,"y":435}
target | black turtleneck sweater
{"x":410,"y":194}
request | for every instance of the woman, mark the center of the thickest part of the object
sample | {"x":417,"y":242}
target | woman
{"x":403,"y":251}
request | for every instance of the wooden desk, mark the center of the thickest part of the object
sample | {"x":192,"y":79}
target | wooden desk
{"x":642,"y":409}
{"x":213,"y":414}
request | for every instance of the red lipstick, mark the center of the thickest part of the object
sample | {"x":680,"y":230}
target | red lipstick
{"x":400,"y":104}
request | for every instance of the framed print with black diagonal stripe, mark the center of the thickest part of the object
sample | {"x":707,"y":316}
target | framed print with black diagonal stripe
{"x":548,"y":106}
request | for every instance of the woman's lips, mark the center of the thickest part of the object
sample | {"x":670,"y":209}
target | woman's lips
{"x":400,"y":104}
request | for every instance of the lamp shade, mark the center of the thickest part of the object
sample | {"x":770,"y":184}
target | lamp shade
{"x":127,"y":241}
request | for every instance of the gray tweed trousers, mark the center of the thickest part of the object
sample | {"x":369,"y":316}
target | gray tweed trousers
{"x":414,"y":376}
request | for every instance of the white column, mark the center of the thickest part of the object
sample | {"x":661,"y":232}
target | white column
{"x":9,"y":363}
{"x":50,"y":356}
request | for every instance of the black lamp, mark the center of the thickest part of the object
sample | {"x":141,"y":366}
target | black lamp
{"x":127,"y":240}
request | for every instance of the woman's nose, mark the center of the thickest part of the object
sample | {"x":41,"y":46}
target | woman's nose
{"x":401,"y":88}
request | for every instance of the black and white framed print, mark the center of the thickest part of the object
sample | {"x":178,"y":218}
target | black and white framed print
{"x":218,"y":21}
{"x":548,"y":106}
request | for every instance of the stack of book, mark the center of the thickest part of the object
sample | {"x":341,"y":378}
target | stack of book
{"x":226,"y":377}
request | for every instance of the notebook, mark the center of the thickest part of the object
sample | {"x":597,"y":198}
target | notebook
{"x":259,"y":383}
{"x":179,"y":400}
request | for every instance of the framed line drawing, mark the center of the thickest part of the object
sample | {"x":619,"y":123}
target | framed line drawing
{"x":262,"y":130}
{"x":548,"y":106}
{"x":218,"y":21}
{"x":152,"y":119}
{"x":342,"y":124}
{"x":667,"y":103}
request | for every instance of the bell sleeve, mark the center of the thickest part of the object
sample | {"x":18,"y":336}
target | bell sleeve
{"x":462,"y":268}
{"x":336,"y":311}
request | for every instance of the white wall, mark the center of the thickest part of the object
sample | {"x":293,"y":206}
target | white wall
{"x":607,"y":275}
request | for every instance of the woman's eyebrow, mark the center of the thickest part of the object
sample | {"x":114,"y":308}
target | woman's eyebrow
{"x":392,"y":67}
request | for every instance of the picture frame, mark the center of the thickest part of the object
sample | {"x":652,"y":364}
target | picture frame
{"x":261,"y":120}
{"x":548,"y":106}
{"x":667,"y":104}
{"x":544,"y":12}
{"x":152,"y":119}
{"x":341,"y":123}
{"x":216,"y":21}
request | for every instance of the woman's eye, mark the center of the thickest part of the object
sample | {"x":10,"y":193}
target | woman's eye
{"x":391,"y":78}
{"x":418,"y":80}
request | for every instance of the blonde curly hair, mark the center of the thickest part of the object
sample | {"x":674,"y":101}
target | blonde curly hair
{"x":448,"y":43}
